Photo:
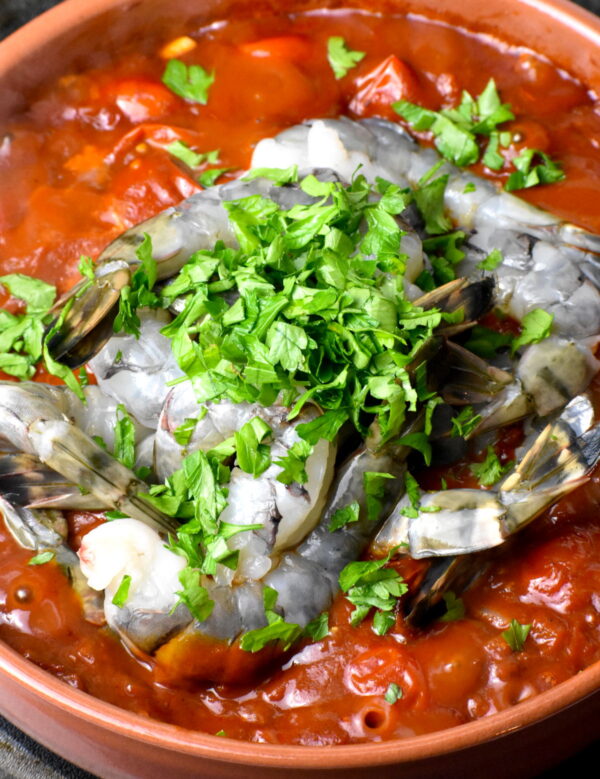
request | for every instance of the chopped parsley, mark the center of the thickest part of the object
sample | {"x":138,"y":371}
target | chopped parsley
{"x":492,"y":261}
{"x":528,"y":174}
{"x":138,"y":293}
{"x":183,"y":434}
{"x":253,"y":456}
{"x":369,"y":585}
{"x":491,"y":469}
{"x":455,"y":608}
{"x":515,"y":635}
{"x":318,"y":628}
{"x":183,"y":152}
{"x":344,"y":516}
{"x":122,"y":593}
{"x":536,"y":326}
{"x":458,"y":134}
{"x":293,"y":464}
{"x":41,"y":558}
{"x":486,"y":342}
{"x":277,"y":630}
{"x":22,"y":335}
{"x":317,"y":312}
{"x":124,"y":438}
{"x":465,"y":422}
{"x":393,"y":693}
{"x":341,"y":58}
{"x":189,"y":82}
{"x":208,"y":177}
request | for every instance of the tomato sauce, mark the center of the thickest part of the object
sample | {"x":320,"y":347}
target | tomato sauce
{"x":88,"y":160}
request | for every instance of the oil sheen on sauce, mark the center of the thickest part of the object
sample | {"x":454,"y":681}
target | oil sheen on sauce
{"x":88,"y":161}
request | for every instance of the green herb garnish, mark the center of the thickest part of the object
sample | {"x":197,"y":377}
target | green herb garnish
{"x":455,"y":608}
{"x":122,"y":593}
{"x":41,"y":558}
{"x":536,"y":326}
{"x":393,"y":693}
{"x":341,"y":58}
{"x":491,"y":469}
{"x":368,"y":585}
{"x":516,"y":635}
{"x":189,"y":82}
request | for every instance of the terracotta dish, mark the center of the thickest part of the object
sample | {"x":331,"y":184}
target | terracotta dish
{"x":110,"y":742}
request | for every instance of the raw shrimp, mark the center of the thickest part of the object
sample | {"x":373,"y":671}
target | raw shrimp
{"x":306,"y":579}
{"x":537,"y":247}
{"x":136,"y":371}
{"x":126,"y":547}
{"x":195,"y":224}
{"x":46,"y":531}
{"x":464,"y":521}
{"x":547,"y":376}
{"x":286,"y":512}
{"x":35,"y":420}
{"x":301,"y":562}
{"x":26,"y":481}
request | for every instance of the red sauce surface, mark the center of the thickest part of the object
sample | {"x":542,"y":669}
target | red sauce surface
{"x":88,"y":161}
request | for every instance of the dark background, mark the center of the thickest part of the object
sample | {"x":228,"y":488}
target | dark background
{"x":20,"y":757}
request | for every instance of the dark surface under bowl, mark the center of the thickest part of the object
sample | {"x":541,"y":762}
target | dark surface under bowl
{"x":23,"y":758}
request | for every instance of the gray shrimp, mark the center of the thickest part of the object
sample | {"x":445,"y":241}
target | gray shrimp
{"x":36,"y":420}
{"x":537,"y":247}
{"x":455,"y":525}
{"x":46,"y":531}
{"x":305,"y":578}
{"x":195,"y":224}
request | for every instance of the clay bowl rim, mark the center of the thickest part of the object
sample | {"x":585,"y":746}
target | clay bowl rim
{"x":42,"y":685}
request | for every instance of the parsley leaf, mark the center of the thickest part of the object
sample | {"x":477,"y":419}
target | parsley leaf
{"x":344,"y":516}
{"x":194,"y":595}
{"x":325,"y":426}
{"x":465,"y":422}
{"x":369,"y":585}
{"x":341,"y":58}
{"x":253,"y":456}
{"x":486,"y":342}
{"x":294,"y":463}
{"x":183,"y":152}
{"x":278,"y":176}
{"x":536,"y":326}
{"x":35,"y":293}
{"x":429,"y":199}
{"x":276,"y":630}
{"x":208,"y":177}
{"x":191,"y":83}
{"x":492,"y":261}
{"x":122,"y":593}
{"x":318,"y":628}
{"x":529,"y":174}
{"x":393,"y":693}
{"x":183,"y":434}
{"x":515,"y":635}
{"x":490,"y":470}
{"x":41,"y":558}
{"x":124,"y":438}
{"x":455,"y":608}
{"x":138,"y":293}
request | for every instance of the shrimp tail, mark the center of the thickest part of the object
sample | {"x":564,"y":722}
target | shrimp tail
{"x":73,"y":454}
{"x":475,"y":298}
{"x":474,"y":521}
{"x":470,"y":379}
{"x":87,"y":325}
{"x":26,"y":481}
